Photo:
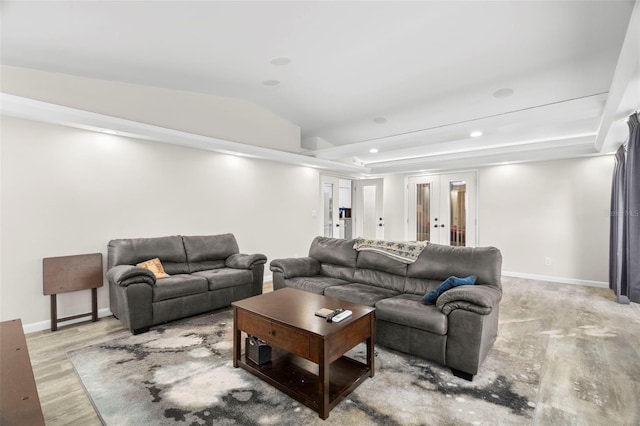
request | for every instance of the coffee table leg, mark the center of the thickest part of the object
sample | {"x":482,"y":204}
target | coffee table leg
{"x":236,"y":339}
{"x":371,"y":350}
{"x":323,"y":373}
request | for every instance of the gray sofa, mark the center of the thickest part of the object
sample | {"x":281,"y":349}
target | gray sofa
{"x":206,"y":273}
{"x":457,"y":331}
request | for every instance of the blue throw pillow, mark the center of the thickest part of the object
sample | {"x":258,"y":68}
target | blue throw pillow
{"x":431,"y":297}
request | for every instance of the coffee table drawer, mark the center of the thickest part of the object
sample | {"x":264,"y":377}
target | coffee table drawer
{"x":276,"y":334}
{"x":254,"y":325}
{"x":290,"y":340}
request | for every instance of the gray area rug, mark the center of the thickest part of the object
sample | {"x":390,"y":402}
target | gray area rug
{"x":182,"y":373}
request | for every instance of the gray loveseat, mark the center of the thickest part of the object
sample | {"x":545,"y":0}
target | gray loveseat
{"x":457,"y":331}
{"x":206,"y":273}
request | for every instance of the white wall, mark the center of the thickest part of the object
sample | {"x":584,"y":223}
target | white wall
{"x":530,"y":211}
{"x":67,"y":191}
{"x":225,"y":118}
{"x":556,"y":209}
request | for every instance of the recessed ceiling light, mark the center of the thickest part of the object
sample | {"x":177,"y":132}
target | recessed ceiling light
{"x":380,"y":120}
{"x":475,"y":134}
{"x":280,"y":61}
{"x":373,"y":150}
{"x":503,"y":93}
{"x":271,"y":82}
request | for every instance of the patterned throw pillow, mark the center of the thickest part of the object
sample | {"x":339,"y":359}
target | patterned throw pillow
{"x":154,"y":266}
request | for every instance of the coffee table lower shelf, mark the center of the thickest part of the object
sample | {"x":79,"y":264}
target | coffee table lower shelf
{"x":299,"y":379}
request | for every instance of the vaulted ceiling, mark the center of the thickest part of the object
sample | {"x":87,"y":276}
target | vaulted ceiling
{"x":411,"y":80}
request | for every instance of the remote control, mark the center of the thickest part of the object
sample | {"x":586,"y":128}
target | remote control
{"x":334,"y":313}
{"x":341,"y":316}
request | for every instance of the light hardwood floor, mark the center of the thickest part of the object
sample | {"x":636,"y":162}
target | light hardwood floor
{"x":62,"y":396}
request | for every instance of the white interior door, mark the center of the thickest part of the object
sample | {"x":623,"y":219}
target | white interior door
{"x":442,"y":209}
{"x":368,"y":208}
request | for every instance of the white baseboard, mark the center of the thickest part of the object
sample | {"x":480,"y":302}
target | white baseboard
{"x":267,"y":278}
{"x":46,"y":325}
{"x":575,"y":281}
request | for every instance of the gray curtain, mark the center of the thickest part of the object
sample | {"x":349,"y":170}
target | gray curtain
{"x":617,"y":271}
{"x":624,"y":259}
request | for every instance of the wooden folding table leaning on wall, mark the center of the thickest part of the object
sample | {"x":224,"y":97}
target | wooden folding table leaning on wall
{"x":72,"y":273}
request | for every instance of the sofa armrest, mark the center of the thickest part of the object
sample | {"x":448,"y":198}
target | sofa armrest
{"x":125,"y":275}
{"x":245,"y":261}
{"x":474,"y":298}
{"x":296,"y":267}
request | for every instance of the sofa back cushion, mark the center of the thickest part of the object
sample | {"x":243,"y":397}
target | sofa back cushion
{"x":379,"y":279}
{"x":336,"y":271}
{"x":438,"y":262}
{"x":132,"y":251}
{"x":336,"y":256}
{"x":379,"y":270}
{"x":380,"y":262}
{"x":209,"y":251}
{"x":334,"y":251}
{"x":420,"y":286}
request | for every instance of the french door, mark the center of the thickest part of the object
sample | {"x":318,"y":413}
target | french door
{"x":442,"y":209}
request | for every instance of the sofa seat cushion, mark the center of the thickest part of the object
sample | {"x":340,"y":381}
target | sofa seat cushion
{"x":408,"y":310}
{"x":316,"y":284}
{"x":362,"y":294}
{"x":226,"y":277}
{"x":178,"y":286}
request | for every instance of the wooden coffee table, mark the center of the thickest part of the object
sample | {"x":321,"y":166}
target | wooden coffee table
{"x":308,"y":361}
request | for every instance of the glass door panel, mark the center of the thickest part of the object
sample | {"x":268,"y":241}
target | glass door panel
{"x":423,"y":212}
{"x":458,"y":209}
